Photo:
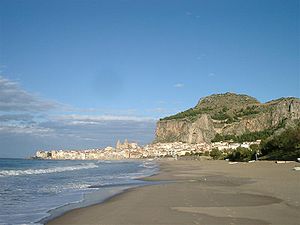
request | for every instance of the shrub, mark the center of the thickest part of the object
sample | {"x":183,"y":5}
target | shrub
{"x":241,"y":154}
{"x":255,"y":148}
{"x":231,"y":120}
{"x":285,"y":146}
{"x":216,"y":154}
{"x":187,"y":154}
{"x":220,"y":116}
{"x":226,"y":137}
{"x":250,"y":110}
{"x":206,"y":153}
{"x":250,"y":136}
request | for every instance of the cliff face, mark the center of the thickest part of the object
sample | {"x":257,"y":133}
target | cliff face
{"x":201,"y":130}
{"x":227,"y":114}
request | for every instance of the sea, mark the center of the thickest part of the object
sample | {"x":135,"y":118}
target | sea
{"x":34,"y":191}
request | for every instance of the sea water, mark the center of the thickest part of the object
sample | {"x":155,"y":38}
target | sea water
{"x":29,"y":189}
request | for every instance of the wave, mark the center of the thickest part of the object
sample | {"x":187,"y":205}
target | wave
{"x":148,"y":165}
{"x":60,"y":188}
{"x":4,"y":173}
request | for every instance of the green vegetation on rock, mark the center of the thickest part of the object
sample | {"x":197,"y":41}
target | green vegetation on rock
{"x":249,"y":110}
{"x":188,"y":114}
{"x":249,"y":136}
{"x":227,"y":107}
{"x":220,"y":116}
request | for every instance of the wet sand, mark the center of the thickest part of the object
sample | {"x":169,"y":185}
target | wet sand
{"x":203,"y":192}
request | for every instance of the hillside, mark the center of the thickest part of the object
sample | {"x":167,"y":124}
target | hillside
{"x":229,"y":116}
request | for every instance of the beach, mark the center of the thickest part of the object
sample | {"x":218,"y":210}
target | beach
{"x":203,"y":192}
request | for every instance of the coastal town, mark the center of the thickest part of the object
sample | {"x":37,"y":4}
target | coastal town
{"x":131,"y":150}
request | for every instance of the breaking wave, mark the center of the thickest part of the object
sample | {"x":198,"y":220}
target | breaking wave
{"x":47,"y":170}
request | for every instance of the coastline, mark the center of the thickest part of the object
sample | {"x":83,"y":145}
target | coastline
{"x":202,"y":192}
{"x":102,"y":194}
{"x":89,"y":199}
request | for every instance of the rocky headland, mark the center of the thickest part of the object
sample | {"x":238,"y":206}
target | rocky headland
{"x":228,"y":114}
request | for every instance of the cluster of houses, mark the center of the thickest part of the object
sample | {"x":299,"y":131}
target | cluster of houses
{"x":129,"y":150}
{"x":173,"y":149}
{"x":224,"y":145}
{"x":124,"y":150}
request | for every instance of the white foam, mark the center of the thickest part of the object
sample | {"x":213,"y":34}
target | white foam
{"x":47,"y":170}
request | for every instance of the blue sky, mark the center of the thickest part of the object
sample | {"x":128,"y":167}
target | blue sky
{"x":85,"y":73}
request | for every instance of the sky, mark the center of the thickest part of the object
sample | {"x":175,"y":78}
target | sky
{"x":84,"y":73}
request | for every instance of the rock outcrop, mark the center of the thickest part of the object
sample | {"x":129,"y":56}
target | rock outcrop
{"x":201,"y":130}
{"x":227,"y":114}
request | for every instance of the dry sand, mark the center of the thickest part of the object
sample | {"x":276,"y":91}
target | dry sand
{"x":203,"y":192}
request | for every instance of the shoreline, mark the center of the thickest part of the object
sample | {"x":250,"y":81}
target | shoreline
{"x":100,"y":196}
{"x":62,"y":210}
{"x":204,"y":192}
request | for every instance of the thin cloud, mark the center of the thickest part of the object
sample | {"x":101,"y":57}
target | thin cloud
{"x":92,"y":119}
{"x":178,"y":85}
{"x":16,"y":117}
{"x":13,"y":99}
{"x":97,"y":128}
{"x":26,"y":130}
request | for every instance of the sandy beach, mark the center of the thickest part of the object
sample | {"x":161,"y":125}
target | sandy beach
{"x":203,"y":192}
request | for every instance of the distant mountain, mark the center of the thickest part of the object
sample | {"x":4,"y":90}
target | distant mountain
{"x":229,"y":116}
